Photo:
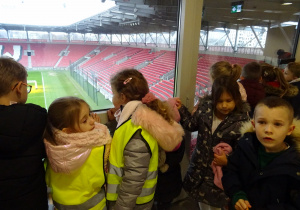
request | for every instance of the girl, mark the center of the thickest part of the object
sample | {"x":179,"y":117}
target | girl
{"x":217,"y":119}
{"x":275,"y":83}
{"x":144,"y":123}
{"x":76,"y":153}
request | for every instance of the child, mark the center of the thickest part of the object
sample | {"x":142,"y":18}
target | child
{"x":292,"y":75}
{"x":22,"y":150}
{"x":264,"y":170}
{"x":144,"y":123}
{"x":251,"y":76}
{"x":76,"y":153}
{"x":217,"y":119}
{"x":224,"y":68}
{"x":275,"y":83}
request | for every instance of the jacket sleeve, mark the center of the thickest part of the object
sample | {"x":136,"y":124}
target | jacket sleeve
{"x":230,"y":180}
{"x":136,"y":164}
{"x":188,"y":121}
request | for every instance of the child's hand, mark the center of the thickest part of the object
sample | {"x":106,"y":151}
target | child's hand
{"x":95,"y":117}
{"x":111,"y":113}
{"x":220,"y":160}
{"x":178,"y":103}
{"x":242,"y":204}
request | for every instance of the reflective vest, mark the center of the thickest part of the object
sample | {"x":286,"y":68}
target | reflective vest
{"x":83,"y":188}
{"x":121,"y":137}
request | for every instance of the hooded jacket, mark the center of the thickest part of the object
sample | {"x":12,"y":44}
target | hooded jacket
{"x":22,"y":177}
{"x":76,"y":167}
{"x":137,"y":154}
{"x":276,"y":186}
{"x":199,"y":179}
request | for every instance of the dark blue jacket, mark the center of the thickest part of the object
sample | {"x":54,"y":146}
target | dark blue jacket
{"x":276,"y":187}
{"x":22,"y":176}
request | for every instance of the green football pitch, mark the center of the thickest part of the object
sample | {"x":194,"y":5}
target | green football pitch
{"x":52,"y":84}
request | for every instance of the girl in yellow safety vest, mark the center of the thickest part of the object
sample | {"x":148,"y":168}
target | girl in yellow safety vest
{"x":76,"y":155}
{"x":144,"y":124}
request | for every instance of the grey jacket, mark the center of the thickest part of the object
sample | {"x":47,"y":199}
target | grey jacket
{"x":137,"y":155}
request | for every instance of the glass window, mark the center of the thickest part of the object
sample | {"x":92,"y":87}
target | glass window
{"x":77,"y":58}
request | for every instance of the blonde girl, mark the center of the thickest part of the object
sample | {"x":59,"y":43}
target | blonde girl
{"x":76,"y":147}
{"x":144,"y":124}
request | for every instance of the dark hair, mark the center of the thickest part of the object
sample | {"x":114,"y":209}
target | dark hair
{"x":294,"y":67}
{"x":275,"y":102}
{"x":280,"y":52}
{"x":10,"y":72}
{"x":228,"y":84}
{"x":134,"y":86}
{"x":63,"y":113}
{"x":252,"y":71}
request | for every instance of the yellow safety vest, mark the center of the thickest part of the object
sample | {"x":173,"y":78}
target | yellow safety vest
{"x":114,"y":178}
{"x":83,"y":188}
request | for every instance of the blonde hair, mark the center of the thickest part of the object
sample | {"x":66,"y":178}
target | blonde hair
{"x":224,"y":68}
{"x":134,"y":86}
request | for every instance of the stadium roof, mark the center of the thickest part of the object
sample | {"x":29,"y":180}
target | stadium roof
{"x":144,"y":16}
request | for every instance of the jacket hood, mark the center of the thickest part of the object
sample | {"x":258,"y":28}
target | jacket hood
{"x":291,"y":92}
{"x":73,"y":149}
{"x":167,"y":135}
{"x":295,"y":135}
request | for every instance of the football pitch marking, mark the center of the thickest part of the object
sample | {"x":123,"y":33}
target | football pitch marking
{"x":44,"y":91}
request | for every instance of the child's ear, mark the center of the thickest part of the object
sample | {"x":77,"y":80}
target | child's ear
{"x":253,"y":124}
{"x":66,"y":130}
{"x":291,"y":129}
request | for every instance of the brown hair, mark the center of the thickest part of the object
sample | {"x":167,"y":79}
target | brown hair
{"x":294,"y":67}
{"x":271,"y":74}
{"x":275,"y":102}
{"x":63,"y":113}
{"x":134,"y":86}
{"x":252,"y":71}
{"x":224,"y":68}
{"x":10,"y":72}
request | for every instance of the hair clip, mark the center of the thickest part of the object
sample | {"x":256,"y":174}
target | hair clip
{"x":127,"y":80}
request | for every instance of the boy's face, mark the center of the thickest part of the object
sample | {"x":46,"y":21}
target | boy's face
{"x":288,"y":75}
{"x":272,"y":126}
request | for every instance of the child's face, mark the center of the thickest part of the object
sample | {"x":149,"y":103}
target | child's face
{"x":288,"y":75}
{"x":86,"y":122}
{"x":224,"y":105}
{"x":272,"y":126}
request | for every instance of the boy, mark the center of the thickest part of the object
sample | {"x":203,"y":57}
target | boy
{"x":292,"y":75}
{"x":251,"y":75}
{"x":264,"y":170}
{"x":22,"y":177}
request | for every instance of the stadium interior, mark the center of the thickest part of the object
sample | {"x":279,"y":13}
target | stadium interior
{"x":172,"y":42}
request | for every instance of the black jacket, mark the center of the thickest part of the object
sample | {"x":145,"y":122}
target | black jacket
{"x":276,"y":187}
{"x":22,"y":177}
